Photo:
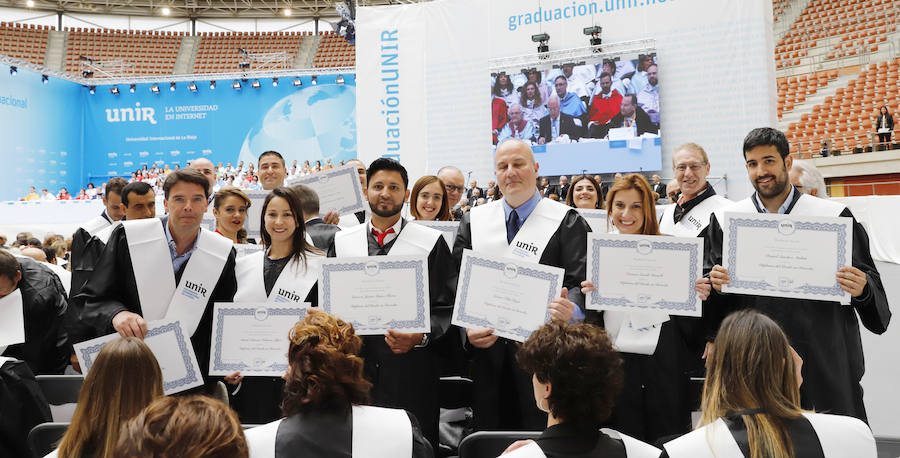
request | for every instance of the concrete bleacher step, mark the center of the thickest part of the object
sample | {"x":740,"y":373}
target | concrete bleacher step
{"x":307,"y":52}
{"x":818,"y":98}
{"x":786,"y":20}
{"x":55,"y":57}
{"x":187,"y":55}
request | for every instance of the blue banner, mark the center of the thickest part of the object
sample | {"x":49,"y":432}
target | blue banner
{"x":312,"y":122}
{"x":40,"y":125}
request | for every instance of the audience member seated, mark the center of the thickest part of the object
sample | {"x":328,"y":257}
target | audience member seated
{"x":807,"y":179}
{"x":230,"y":206}
{"x":498,"y":115}
{"x":25,"y":283}
{"x":648,"y":98}
{"x":584,"y":193}
{"x":605,"y":104}
{"x":534,"y":105}
{"x":503,"y":88}
{"x":428,"y":200}
{"x":518,"y":126}
{"x":180,"y":427}
{"x":22,"y":407}
{"x":630,"y":116}
{"x":557,"y":124}
{"x":577,"y":375}
{"x":751,"y":401}
{"x":324,"y":402}
{"x":569,"y":102}
{"x":108,"y":398}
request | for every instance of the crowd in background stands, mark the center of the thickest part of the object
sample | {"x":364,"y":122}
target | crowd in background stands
{"x":155,"y":175}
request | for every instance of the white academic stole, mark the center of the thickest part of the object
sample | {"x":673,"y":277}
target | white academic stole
{"x":95,"y":225}
{"x":377,"y":432}
{"x":160,"y":296}
{"x":414,"y":239}
{"x":488,"y":226}
{"x":12,"y":315}
{"x":694,"y":221}
{"x":634,"y":332}
{"x":806,"y":206}
{"x":104,"y":234}
{"x":292,"y":286}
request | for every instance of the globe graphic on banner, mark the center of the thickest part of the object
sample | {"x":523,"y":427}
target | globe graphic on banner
{"x":315,"y":123}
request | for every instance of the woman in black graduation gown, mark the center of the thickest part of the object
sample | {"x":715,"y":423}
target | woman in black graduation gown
{"x":577,"y":374}
{"x":324,"y":402}
{"x":751,"y":402}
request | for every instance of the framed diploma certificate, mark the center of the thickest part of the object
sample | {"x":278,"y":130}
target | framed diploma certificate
{"x":377,"y":293}
{"x":338,"y":189}
{"x":786,"y":255}
{"x":644,"y":273}
{"x":503,"y":294}
{"x":254,"y":212}
{"x":448,"y":229}
{"x":169,"y":343}
{"x":596,"y":218}
{"x":252,"y":338}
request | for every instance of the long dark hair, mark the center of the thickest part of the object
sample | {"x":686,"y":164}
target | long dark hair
{"x":299,"y":246}
{"x":570,"y":196}
{"x":498,"y":87}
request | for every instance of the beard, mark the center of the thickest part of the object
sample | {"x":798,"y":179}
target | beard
{"x":778,"y":186}
{"x":391,"y":211}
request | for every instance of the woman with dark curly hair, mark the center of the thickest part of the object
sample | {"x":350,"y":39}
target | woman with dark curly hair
{"x":324,"y":402}
{"x":577,"y":375}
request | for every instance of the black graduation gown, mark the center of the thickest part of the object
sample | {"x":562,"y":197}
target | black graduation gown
{"x":410,"y":381}
{"x":504,"y":396}
{"x":321,"y":233}
{"x":112,"y":289}
{"x":579,"y":441}
{"x":86,"y":250}
{"x":825,"y":334}
{"x":46,"y":347}
{"x":804,"y":439}
{"x":328,"y":433}
{"x":22,"y":407}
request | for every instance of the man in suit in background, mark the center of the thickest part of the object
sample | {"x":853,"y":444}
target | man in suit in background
{"x":632,"y":116}
{"x":659,"y":187}
{"x":473,"y":185}
{"x":321,"y":233}
{"x":557,"y":123}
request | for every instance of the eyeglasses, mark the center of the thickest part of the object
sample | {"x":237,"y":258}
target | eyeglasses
{"x":695,"y":167}
{"x":452,"y":188}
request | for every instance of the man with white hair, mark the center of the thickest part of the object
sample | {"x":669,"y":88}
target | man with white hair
{"x":689,"y":215}
{"x":807,"y":179}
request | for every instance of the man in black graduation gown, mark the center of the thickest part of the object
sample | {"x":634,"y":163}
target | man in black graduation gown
{"x":111,"y":301}
{"x":825,"y":334}
{"x":403,"y":367}
{"x":22,"y":407}
{"x":321,"y":233}
{"x":503,"y":392}
{"x":45,"y":349}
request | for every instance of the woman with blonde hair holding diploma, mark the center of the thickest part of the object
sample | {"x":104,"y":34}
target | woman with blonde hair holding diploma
{"x":286,"y":272}
{"x":751,"y":402}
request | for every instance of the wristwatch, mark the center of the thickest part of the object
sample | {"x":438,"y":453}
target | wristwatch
{"x":424,"y":341}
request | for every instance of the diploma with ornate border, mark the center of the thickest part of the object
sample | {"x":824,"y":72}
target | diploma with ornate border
{"x":503,"y":294}
{"x":254,"y":212}
{"x":252,"y":337}
{"x":794,"y":256}
{"x":169,"y":343}
{"x":338,"y":189}
{"x":448,"y":229}
{"x":377,"y":293}
{"x":596,"y":218}
{"x":645,"y":273}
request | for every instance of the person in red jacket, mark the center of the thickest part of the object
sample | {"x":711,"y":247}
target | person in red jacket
{"x":498,"y":115}
{"x":605,"y":105}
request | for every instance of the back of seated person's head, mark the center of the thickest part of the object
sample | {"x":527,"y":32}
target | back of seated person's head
{"x":180,"y":427}
{"x":34,"y":242}
{"x":49,"y":254}
{"x":108,"y":397}
{"x":582,"y":367}
{"x":35,"y":253}
{"x":325,"y":370}
{"x":60,"y":247}
{"x":752,"y":367}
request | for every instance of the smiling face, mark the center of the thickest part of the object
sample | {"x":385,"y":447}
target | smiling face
{"x":186,"y":205}
{"x":768,"y":172}
{"x":627,"y":212}
{"x":429,"y":200}
{"x":690,"y":171}
{"x":231,"y":214}
{"x":280,"y":221}
{"x":271,"y":172}
{"x":584,"y":195}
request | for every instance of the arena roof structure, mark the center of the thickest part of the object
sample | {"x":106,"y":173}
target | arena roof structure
{"x":197,"y":8}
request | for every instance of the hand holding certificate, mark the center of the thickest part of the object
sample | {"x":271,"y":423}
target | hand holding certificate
{"x":169,"y":343}
{"x":786,"y":255}
{"x":339,"y":190}
{"x":509,"y":296}
{"x":377,"y":293}
{"x":645,"y":273}
{"x":252,"y":338}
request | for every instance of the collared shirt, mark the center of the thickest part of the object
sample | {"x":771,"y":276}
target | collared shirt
{"x":179,"y":260}
{"x":683,"y":208}
{"x":554,"y":130}
{"x":784,"y":206}
{"x":389,"y":237}
{"x":106,"y":217}
{"x":524,"y":210}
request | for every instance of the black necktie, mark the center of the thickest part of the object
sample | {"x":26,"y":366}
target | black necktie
{"x":512,"y":226}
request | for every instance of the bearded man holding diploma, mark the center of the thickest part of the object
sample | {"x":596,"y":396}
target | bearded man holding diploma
{"x":164,"y":268}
